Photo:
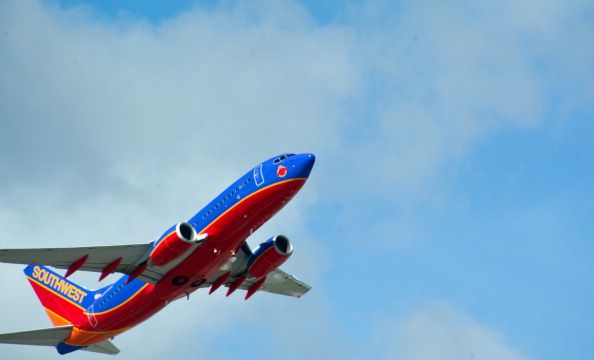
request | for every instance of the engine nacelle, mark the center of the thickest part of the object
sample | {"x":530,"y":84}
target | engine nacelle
{"x":269,"y":256}
{"x":174,"y":244}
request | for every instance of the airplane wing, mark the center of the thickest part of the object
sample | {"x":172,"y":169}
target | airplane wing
{"x":122,"y":258}
{"x":126,"y":259}
{"x":277,"y":281}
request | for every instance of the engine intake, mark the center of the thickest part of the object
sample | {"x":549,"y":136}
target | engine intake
{"x":174,"y":244}
{"x":269,"y":255}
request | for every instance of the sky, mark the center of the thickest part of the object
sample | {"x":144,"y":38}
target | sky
{"x":449,"y":213}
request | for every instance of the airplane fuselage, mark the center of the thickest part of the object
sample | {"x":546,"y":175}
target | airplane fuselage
{"x":226,"y":222}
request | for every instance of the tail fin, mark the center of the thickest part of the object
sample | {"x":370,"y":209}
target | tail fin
{"x":62,"y":299}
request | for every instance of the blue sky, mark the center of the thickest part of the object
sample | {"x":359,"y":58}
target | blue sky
{"x":449,"y":212}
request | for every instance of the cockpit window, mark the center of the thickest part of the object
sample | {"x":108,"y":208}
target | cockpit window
{"x":281,"y":158}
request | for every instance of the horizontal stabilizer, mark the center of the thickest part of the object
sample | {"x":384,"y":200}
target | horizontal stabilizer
{"x":42,"y":337}
{"x":103,"y":347}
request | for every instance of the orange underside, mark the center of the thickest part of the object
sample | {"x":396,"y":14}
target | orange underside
{"x":56,"y":319}
{"x":80,"y":337}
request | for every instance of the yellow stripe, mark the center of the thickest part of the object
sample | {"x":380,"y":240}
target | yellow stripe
{"x":56,"y":293}
{"x":204,"y":230}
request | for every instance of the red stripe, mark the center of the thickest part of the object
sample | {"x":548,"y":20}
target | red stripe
{"x":57,"y":303}
{"x":228,"y":232}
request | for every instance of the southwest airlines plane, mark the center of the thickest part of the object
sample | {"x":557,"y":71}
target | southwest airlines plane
{"x":208,"y":250}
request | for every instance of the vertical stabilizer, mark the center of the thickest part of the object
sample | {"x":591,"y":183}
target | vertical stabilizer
{"x":63,"y":300}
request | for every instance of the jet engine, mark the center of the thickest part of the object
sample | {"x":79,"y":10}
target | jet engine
{"x":174,"y":244}
{"x":269,"y":256}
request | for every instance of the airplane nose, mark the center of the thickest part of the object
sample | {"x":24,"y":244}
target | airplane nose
{"x":307,"y":163}
{"x":310,"y":160}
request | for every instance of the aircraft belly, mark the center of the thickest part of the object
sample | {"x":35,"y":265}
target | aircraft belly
{"x":229,"y":231}
{"x":203,"y":263}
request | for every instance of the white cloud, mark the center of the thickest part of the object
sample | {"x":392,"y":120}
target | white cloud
{"x":200,"y":92}
{"x":446,"y":76}
{"x":112,"y":130}
{"x":437,"y":331}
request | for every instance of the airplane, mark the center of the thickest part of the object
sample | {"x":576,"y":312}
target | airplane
{"x":208,"y":250}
